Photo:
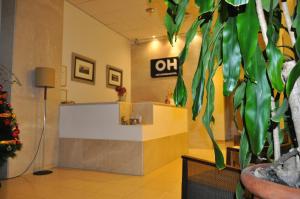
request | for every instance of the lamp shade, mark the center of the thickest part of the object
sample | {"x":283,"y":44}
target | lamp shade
{"x":45,"y":77}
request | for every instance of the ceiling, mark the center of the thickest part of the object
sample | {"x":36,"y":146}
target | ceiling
{"x":129,"y":17}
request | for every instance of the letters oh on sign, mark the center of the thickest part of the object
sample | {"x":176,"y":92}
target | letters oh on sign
{"x":164,"y":67}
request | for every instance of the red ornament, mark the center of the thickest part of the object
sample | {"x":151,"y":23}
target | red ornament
{"x":16,"y":131}
{"x":7,"y":122}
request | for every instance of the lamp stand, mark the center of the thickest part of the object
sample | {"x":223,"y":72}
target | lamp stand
{"x":44,"y":172}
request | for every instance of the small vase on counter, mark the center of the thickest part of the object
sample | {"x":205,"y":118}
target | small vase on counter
{"x":122,"y":98}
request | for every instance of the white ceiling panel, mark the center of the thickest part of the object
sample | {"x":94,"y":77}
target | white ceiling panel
{"x":129,"y":18}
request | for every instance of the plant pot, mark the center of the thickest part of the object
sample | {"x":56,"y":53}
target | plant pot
{"x":122,"y":98}
{"x":266,"y":189}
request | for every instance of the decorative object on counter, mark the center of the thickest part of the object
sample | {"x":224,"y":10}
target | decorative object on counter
{"x":9,"y":130}
{"x":169,"y":98}
{"x":114,"y":76}
{"x":45,"y":78}
{"x":124,"y":121}
{"x":135,"y":119}
{"x":83,"y":69}
{"x":121,"y":93}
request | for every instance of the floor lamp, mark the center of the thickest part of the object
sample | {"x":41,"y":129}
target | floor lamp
{"x":44,"y":78}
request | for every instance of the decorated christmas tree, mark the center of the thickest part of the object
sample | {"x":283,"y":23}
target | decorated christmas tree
{"x":9,"y":130}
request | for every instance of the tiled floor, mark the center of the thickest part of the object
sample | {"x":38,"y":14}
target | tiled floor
{"x":163,"y":183}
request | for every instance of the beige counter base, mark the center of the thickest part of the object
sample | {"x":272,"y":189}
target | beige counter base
{"x":125,"y":157}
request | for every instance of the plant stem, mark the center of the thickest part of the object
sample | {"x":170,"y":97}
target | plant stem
{"x":262,"y":20}
{"x":288,"y":21}
{"x":277,"y":152}
{"x":294,"y":97}
{"x":263,"y":27}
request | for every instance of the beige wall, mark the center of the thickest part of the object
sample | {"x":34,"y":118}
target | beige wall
{"x":144,"y":88}
{"x":37,"y":42}
{"x":86,"y":36}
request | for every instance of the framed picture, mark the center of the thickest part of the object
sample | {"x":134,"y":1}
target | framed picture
{"x":114,"y":77}
{"x":83,"y":69}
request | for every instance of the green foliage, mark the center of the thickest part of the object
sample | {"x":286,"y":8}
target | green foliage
{"x":296,"y":25}
{"x":280,"y":112}
{"x":275,"y":63}
{"x":180,"y":93}
{"x":294,"y":75}
{"x":205,"y":6}
{"x":237,"y":2}
{"x":267,"y":4}
{"x":247,"y":28}
{"x":230,"y":31}
{"x":174,"y":17}
{"x":231,"y":56}
{"x":258,"y":103}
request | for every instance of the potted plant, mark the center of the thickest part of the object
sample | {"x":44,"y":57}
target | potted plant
{"x":121,"y":91}
{"x":9,"y":130}
{"x":263,"y":78}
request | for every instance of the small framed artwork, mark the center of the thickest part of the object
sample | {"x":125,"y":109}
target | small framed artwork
{"x":114,"y":76}
{"x":83,"y":69}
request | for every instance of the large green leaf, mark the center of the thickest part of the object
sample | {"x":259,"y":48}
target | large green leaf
{"x":296,"y":22}
{"x":294,"y":75}
{"x":205,"y":5}
{"x":258,"y":102}
{"x":280,"y":112}
{"x":180,"y":93}
{"x":267,"y":4}
{"x":238,"y":102}
{"x":180,"y":13}
{"x":244,"y":153}
{"x":210,"y":97}
{"x":239,"y":191}
{"x":239,"y":95}
{"x":248,"y":27}
{"x":170,"y":25}
{"x":198,"y":84}
{"x":174,"y":17}
{"x":275,"y":62}
{"x":231,"y":56}
{"x":207,"y":118}
{"x":237,"y":2}
{"x":189,"y":38}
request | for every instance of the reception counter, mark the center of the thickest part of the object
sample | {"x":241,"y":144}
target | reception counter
{"x":94,"y":136}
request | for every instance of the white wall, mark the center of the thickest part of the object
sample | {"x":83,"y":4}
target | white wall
{"x":86,"y":36}
{"x":37,"y":42}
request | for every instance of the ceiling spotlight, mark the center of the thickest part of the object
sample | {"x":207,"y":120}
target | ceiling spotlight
{"x":150,"y":10}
